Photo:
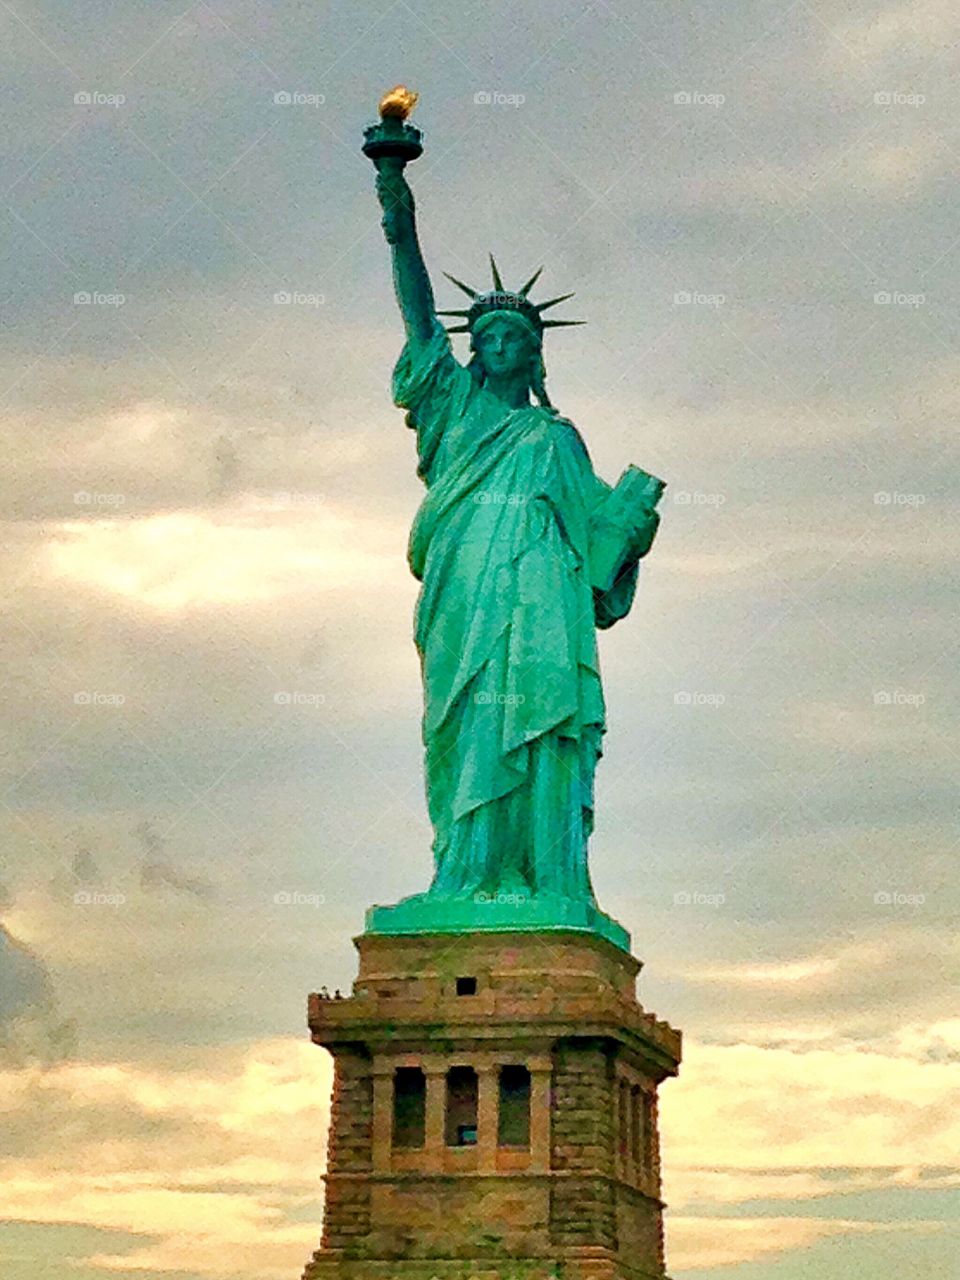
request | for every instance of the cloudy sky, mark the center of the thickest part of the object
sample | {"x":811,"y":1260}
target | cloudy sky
{"x":205,"y":499}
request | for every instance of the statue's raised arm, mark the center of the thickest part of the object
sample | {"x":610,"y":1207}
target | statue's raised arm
{"x":390,"y":145}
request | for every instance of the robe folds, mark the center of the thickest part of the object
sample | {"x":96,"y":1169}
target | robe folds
{"x":505,"y":627}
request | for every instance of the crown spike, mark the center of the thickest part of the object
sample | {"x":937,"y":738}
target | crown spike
{"x":503,"y":299}
{"x":531,"y":282}
{"x":471,"y":293}
{"x":542,"y":306}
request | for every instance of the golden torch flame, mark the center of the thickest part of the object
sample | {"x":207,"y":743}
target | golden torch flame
{"x":398,"y":102}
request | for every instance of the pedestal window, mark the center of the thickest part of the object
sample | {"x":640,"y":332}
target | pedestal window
{"x":462,"y":1103}
{"x":409,"y":1107}
{"x":513,"y":1125}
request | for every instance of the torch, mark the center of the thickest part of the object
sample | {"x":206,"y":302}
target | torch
{"x":392,"y":139}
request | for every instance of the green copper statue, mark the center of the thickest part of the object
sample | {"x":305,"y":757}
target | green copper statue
{"x":522,"y":552}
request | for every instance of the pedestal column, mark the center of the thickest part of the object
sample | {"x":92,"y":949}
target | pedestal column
{"x":541,"y":1074}
{"x":488,"y":1115}
{"x":436,"y":1105}
{"x":382,"y":1113}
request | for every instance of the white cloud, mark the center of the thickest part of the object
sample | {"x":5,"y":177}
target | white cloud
{"x":696,"y":1244}
{"x":765,"y":974}
{"x":255,"y":553}
{"x":744,"y":1108}
{"x":207,"y":1161}
{"x":864,"y":167}
{"x":868,"y":42}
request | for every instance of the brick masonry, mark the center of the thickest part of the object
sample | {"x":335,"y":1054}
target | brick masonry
{"x":582,"y":1200}
{"x":350,"y":1149}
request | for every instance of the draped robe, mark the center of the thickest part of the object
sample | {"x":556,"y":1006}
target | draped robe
{"x":505,"y":628}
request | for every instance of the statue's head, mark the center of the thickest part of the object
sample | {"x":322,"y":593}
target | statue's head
{"x":503,"y":342}
{"x":506,"y":330}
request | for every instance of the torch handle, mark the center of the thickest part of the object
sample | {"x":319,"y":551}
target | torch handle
{"x":390,"y":166}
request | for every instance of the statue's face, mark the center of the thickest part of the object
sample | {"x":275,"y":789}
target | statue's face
{"x":504,"y":347}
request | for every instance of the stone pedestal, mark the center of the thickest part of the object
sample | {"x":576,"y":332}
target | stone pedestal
{"x":494,"y":1112}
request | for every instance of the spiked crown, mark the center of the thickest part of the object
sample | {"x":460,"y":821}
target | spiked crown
{"x":502,"y":299}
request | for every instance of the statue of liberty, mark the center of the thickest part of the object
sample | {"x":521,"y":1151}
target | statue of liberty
{"x":522,"y":552}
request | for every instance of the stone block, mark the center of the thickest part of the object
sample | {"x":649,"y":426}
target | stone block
{"x":565,"y":1205}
